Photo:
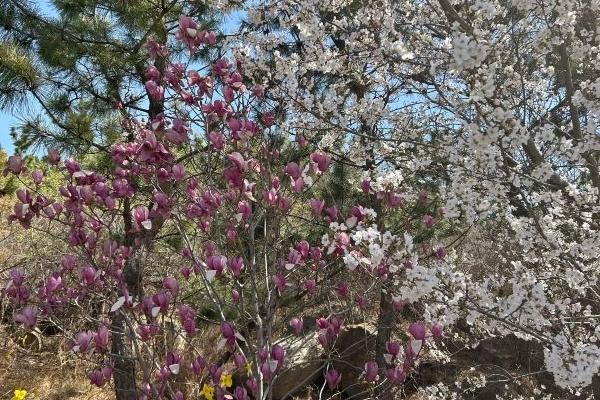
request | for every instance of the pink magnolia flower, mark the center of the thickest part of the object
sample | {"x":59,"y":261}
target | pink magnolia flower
{"x":178,"y":133}
{"x":236,"y":264}
{"x":14,"y":165}
{"x":371,"y":371}
{"x":239,"y":360}
{"x":280,"y":283}
{"x":240,"y":393}
{"x":198,"y":365}
{"x":396,"y":375}
{"x":278,"y":354}
{"x":296,"y":324}
{"x":428,"y":221}
{"x":342,"y":289}
{"x":365,"y":186}
{"x":145,"y":332}
{"x":171,"y":285}
{"x":258,"y":91}
{"x":208,"y":37}
{"x":53,"y":156}
{"x":37,"y":176}
{"x":101,"y":338}
{"x":283,"y":204}
{"x":155,"y":49}
{"x":310,"y":285}
{"x":393,"y":348}
{"x":440,"y":252}
{"x":100,"y":376}
{"x":297,"y":184}
{"x":155,"y":91}
{"x":162,"y":300}
{"x":417,"y":330}
{"x":333,"y":378}
{"x":216,"y":263}
{"x":152,"y":73}
{"x":227,"y":330}
{"x":332,"y":212}
{"x":17,"y":277}
{"x":292,"y":170}
{"x":141,"y":218}
{"x":28,"y":317}
{"x":270,"y":196}
{"x":83,"y":341}
{"x":244,"y":209}
{"x":320,"y":162}
{"x":216,"y":139}
{"x":235,"y":296}
{"x":88,"y":276}
{"x":437,"y":331}
{"x":301,"y":140}
{"x":178,"y":171}
{"x":398,"y":304}
{"x":188,"y":32}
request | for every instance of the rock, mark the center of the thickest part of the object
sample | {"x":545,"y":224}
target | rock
{"x":31,"y":340}
{"x":510,"y":351}
{"x":302,"y":368}
{"x":354,"y":346}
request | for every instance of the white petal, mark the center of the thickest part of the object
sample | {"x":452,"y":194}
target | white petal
{"x":118,"y":304}
{"x":351,"y":222}
{"x":174,"y":368}
{"x":416,"y":345}
{"x":210,"y":274}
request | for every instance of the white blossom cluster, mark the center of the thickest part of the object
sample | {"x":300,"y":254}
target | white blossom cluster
{"x":496,"y":104}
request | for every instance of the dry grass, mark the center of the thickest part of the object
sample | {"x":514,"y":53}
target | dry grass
{"x":43,"y":373}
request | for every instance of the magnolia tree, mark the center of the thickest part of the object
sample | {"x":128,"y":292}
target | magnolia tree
{"x":258,"y":241}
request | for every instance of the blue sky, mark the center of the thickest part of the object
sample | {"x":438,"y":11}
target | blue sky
{"x":6,"y":121}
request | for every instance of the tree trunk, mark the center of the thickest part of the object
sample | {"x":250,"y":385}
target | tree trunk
{"x":385,"y":324}
{"x":124,"y":364}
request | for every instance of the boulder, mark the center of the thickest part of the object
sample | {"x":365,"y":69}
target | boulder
{"x":354,"y":346}
{"x":302,"y":368}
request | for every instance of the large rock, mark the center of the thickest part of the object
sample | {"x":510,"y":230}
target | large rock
{"x":302,"y":368}
{"x":354,"y":346}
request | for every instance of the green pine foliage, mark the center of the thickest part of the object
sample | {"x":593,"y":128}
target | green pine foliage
{"x":74,"y":63}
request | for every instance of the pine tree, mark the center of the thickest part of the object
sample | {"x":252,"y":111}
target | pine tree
{"x":71,"y":71}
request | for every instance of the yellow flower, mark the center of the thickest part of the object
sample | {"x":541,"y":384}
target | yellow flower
{"x":249,"y":368}
{"x":208,"y":392}
{"x":19,"y":394}
{"x":226,"y":380}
